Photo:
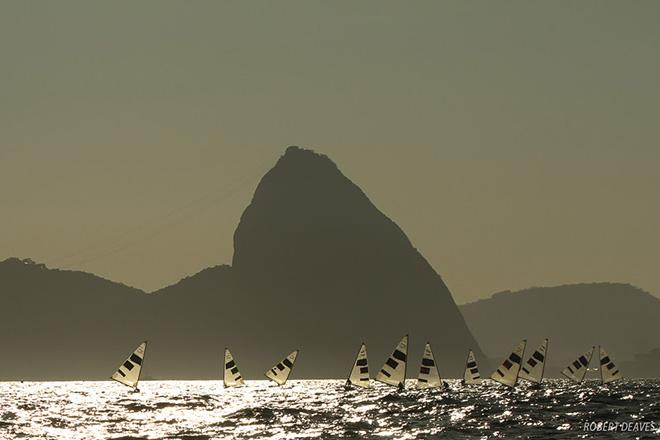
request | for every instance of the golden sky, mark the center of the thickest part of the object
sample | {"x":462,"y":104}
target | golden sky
{"x":516,"y":143}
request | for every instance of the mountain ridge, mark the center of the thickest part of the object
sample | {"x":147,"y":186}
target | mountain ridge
{"x":619,"y":316}
{"x":316,"y":266}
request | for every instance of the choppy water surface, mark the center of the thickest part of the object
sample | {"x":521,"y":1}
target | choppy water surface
{"x":319,"y":409}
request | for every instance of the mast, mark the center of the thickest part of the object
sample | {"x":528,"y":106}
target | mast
{"x":144,"y":353}
{"x":600,"y":365}
{"x":547,"y":343}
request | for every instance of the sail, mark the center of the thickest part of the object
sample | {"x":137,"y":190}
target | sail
{"x":128,"y":373}
{"x":535,"y":366}
{"x":429,"y":377}
{"x":578,"y":368}
{"x":471,"y":375}
{"x":394,"y":369}
{"x":360,"y":373}
{"x":281,"y":371}
{"x":232,"y":377}
{"x":608,"y":371}
{"x":507,"y":373}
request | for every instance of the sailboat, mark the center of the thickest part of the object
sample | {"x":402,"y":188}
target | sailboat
{"x":534,"y":368}
{"x":471,"y":374}
{"x":360,"y":372}
{"x":232,"y":377}
{"x":507,"y":373}
{"x":578,"y":369}
{"x":608,"y":371}
{"x":281,"y":371}
{"x":394,"y":370}
{"x":428,"y":377}
{"x":128,"y":373}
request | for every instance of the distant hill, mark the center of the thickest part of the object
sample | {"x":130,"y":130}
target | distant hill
{"x":316,"y":266}
{"x":643,"y":365}
{"x":621,"y":317}
{"x":57,"y":324}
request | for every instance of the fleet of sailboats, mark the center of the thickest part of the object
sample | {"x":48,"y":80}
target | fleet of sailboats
{"x":393,"y":372}
{"x":578,"y":369}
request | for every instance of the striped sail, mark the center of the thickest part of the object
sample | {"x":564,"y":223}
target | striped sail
{"x":507,"y":373}
{"x":471,"y":375}
{"x":535,"y":366}
{"x":281,"y":371}
{"x":232,"y":377}
{"x":429,"y":377}
{"x":578,"y":368}
{"x":608,"y":371}
{"x":394,"y":370}
{"x":128,"y":373}
{"x":360,"y":373}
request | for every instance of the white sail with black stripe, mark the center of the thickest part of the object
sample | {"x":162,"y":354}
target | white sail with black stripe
{"x":232,"y":377}
{"x":429,"y":377}
{"x":608,"y":371}
{"x":281,"y":371}
{"x":577,"y":370}
{"x":394,"y":370}
{"x":507,"y":373}
{"x":471,"y":374}
{"x":128,"y":373}
{"x":360,"y":372}
{"x":534,"y":368}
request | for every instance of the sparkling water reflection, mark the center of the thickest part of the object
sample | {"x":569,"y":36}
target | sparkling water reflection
{"x":319,"y":409}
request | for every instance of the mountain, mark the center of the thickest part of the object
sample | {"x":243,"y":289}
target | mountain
{"x":318,"y":267}
{"x":189,"y":323}
{"x":622,"y":318}
{"x":643,"y":365}
{"x":57,"y":324}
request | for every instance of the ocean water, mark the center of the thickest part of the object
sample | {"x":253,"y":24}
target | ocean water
{"x":322,"y":409}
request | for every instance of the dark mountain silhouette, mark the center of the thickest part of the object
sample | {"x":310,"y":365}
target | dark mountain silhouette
{"x":622,"y":318}
{"x":316,"y":267}
{"x":330,"y":270}
{"x":57,"y":324}
{"x":643,"y":364}
{"x":191,"y":323}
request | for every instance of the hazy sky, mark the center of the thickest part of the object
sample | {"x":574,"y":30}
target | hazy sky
{"x":516,"y":143}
